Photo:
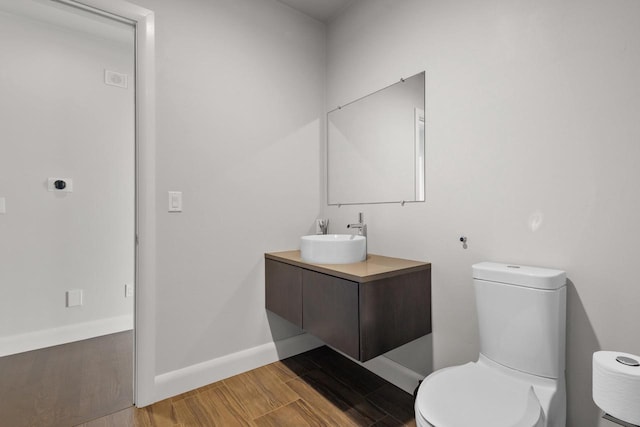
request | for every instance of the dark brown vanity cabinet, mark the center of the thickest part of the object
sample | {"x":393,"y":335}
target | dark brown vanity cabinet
{"x":361,"y":310}
{"x":283,"y":291}
{"x":330,"y":311}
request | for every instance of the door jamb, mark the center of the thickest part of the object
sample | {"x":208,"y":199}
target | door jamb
{"x":145,"y":326}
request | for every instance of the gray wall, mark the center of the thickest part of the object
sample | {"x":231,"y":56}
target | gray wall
{"x":59,"y":119}
{"x":532,"y":130}
{"x":240,"y":90}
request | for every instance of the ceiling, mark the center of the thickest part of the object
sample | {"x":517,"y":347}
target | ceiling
{"x":322,"y":10}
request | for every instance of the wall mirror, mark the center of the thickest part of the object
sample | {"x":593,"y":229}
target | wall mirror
{"x":376,"y":146}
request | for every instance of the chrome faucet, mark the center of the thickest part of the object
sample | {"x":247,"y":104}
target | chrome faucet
{"x":322,"y":226}
{"x":362,"y":231}
{"x":361,"y":226}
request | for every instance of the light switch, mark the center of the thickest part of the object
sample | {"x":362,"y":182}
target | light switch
{"x":175,"y":201}
{"x":3,"y":206}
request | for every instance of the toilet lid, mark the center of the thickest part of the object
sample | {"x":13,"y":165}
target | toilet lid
{"x":474,"y":395}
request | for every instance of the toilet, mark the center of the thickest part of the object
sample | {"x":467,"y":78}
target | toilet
{"x":518,"y":379}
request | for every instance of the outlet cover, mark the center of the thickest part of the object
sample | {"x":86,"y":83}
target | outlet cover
{"x":74,"y":298}
{"x":128,"y":290}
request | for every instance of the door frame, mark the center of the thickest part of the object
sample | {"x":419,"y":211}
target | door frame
{"x":145,"y":140}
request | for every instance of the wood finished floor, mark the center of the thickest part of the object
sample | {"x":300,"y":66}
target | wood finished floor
{"x":316,"y":388}
{"x":67,"y":384}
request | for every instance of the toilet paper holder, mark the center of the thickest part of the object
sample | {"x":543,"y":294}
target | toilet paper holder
{"x":629,"y":362}
{"x":617,"y":421}
{"x":608,"y":365}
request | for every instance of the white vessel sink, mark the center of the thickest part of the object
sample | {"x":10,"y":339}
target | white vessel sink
{"x":333,"y":248}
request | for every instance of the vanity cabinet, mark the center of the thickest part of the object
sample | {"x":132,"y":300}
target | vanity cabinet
{"x":362,"y":309}
{"x":283,"y":293}
{"x":330,"y":311}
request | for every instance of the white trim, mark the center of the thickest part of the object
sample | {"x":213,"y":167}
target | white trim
{"x":145,"y":365}
{"x":419,"y":144}
{"x":396,"y":374}
{"x":194,"y":376}
{"x":95,"y":10}
{"x":145,"y":327}
{"x":64,"y":334}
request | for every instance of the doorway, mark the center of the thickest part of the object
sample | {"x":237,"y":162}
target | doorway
{"x":67,"y":213}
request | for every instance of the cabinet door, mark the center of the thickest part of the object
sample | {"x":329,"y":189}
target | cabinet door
{"x":330,"y":311}
{"x":394,"y":311}
{"x":283,"y":290}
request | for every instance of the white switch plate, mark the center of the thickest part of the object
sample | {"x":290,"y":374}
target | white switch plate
{"x":67,"y":189}
{"x":3,"y":206}
{"x":175,"y":201}
{"x":128,"y":290}
{"x":74,"y":298}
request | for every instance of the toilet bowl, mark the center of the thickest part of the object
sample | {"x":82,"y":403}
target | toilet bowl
{"x":518,"y":379}
{"x":485,"y":394}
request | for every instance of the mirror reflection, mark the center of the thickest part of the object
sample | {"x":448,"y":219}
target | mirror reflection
{"x":376,"y":146}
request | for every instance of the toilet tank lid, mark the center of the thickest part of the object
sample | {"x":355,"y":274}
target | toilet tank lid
{"x":521,"y":275}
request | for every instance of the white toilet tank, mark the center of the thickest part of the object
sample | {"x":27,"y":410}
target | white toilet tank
{"x":522,"y":316}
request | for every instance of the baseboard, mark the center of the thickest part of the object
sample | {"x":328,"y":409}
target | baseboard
{"x":64,"y":334}
{"x":194,"y":376}
{"x":396,"y":374}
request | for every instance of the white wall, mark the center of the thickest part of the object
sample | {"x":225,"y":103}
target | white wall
{"x":239,"y":102}
{"x":59,"y":119}
{"x":532,"y":129}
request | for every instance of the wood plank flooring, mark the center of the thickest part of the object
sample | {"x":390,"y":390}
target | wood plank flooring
{"x":68,"y":384}
{"x":316,"y":388}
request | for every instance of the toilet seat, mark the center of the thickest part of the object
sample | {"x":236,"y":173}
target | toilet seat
{"x":476,"y":395}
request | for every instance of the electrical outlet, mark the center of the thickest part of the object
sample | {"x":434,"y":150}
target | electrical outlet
{"x":74,"y":298}
{"x":115,"y":79}
{"x":128,"y":290}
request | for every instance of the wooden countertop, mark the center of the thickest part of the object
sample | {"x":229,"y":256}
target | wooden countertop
{"x":374,"y":268}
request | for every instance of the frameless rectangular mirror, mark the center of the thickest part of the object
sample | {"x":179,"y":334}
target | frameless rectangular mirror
{"x":375,"y":146}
